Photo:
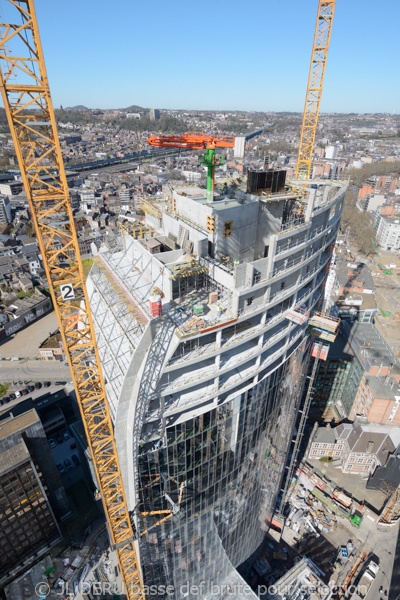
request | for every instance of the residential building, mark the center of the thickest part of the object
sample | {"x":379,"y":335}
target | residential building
{"x":5,"y":209}
{"x":378,"y":399}
{"x":357,"y":447}
{"x":204,"y":367}
{"x":331,"y":152}
{"x":388,"y":232}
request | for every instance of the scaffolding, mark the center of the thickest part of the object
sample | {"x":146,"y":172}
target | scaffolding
{"x":135,"y":230}
{"x":186,"y":269}
{"x":150,"y":209}
{"x":297,"y":315}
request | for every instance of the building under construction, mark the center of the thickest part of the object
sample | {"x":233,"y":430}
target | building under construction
{"x":204,"y":365}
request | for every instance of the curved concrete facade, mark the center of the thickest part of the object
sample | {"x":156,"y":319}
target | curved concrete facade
{"x":204,"y":397}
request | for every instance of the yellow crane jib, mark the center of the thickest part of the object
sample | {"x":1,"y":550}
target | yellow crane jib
{"x":26,"y":96}
{"x":322,"y":36}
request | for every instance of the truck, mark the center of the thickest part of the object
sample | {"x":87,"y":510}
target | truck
{"x":367,"y":578}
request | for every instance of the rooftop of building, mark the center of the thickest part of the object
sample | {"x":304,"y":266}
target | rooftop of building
{"x":14,"y":424}
{"x":303,"y":580}
{"x":361,"y":435}
{"x":384,"y":387}
{"x":369,"y":345}
{"x":386,"y":477}
{"x":392,"y":220}
{"x":354,"y":274}
{"x":52,"y":342}
{"x":353,"y":300}
{"x":13,"y":457}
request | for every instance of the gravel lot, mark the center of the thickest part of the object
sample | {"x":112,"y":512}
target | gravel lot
{"x":25,"y":343}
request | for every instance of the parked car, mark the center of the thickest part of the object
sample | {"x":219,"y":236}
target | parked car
{"x":60,"y":467}
{"x":38,"y":385}
{"x":68,"y":463}
{"x":24,"y":392}
{"x":30,"y":388}
{"x":75,"y":460}
{"x":12,"y":396}
{"x":66,"y":435}
{"x":47,"y":383}
{"x":59,"y":438}
{"x":17,"y":394}
{"x":5,"y":399}
{"x":52,"y":443}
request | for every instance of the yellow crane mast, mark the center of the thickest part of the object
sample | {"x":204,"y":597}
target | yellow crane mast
{"x":27,"y":101}
{"x":322,"y":36}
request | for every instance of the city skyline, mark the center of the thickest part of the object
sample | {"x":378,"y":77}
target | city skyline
{"x":179,"y":60}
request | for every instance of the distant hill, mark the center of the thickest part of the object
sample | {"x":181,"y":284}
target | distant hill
{"x":79,"y":107}
{"x":133,"y":108}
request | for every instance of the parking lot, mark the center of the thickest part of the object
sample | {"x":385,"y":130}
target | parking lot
{"x":67,"y":457}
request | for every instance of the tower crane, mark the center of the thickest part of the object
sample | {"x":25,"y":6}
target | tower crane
{"x":26,"y":96}
{"x":28,"y":106}
{"x":322,"y":36}
{"x":198,"y":141}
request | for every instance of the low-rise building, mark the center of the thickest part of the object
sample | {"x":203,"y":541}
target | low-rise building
{"x":357,"y":447}
{"x":52,"y":348}
{"x":23,"y":312}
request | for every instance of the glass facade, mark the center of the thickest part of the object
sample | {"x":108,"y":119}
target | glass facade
{"x":220,"y":473}
{"x":27,"y":523}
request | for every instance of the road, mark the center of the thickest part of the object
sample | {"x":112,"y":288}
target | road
{"x":33,"y":370}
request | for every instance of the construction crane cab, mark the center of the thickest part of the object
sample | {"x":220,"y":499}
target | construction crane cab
{"x":198,"y":141}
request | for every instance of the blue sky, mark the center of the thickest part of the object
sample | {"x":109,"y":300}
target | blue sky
{"x":218,"y":54}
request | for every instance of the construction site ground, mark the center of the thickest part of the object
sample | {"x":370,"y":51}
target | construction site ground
{"x":377,"y":541}
{"x":350,"y":483}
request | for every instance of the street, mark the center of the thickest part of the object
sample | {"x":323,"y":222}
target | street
{"x":33,"y":370}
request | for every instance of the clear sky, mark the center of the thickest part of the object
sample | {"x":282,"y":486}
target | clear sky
{"x":218,"y":54}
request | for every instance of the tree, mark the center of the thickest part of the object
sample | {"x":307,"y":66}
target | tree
{"x":174,"y":175}
{"x":360,"y":223}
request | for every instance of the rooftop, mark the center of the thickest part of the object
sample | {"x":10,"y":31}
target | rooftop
{"x":386,"y":476}
{"x":354,"y":274}
{"x":301,"y":581}
{"x":12,"y":457}
{"x":369,"y":345}
{"x":384,"y":387}
{"x":52,"y":342}
{"x":14,"y":424}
